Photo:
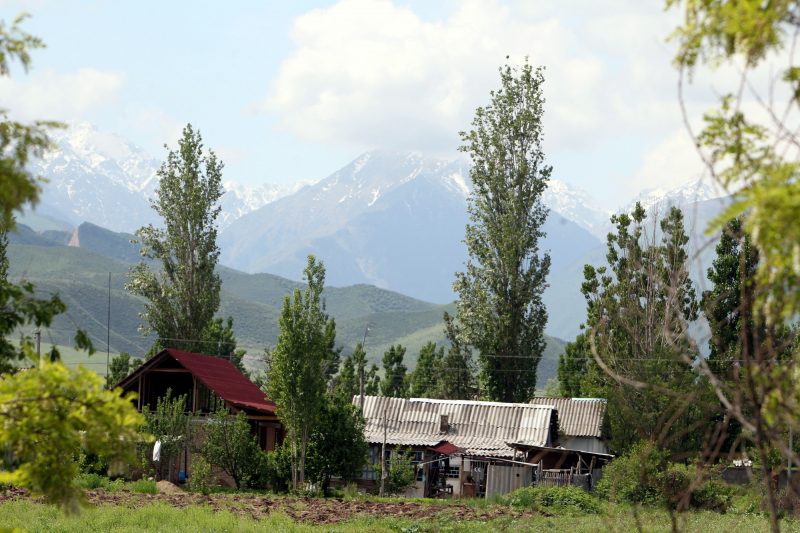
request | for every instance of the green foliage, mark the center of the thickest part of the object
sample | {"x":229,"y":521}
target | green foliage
{"x":143,"y":486}
{"x":394,"y":373}
{"x":633,"y":477}
{"x":347,"y":382}
{"x":169,"y":423}
{"x":297,"y":377}
{"x":48,"y":415}
{"x":228,"y":444}
{"x":639,"y":309}
{"x":199,"y":477}
{"x":120,"y":367}
{"x":337,"y":446}
{"x":573,"y":366}
{"x":276,"y":473}
{"x":457,"y":380}
{"x":733,"y":275}
{"x":18,"y":142}
{"x":555,"y":500}
{"x":645,"y":476}
{"x":401,"y":473}
{"x":183,"y":295}
{"x":424,"y":381}
{"x":218,"y":339}
{"x":500,"y":307}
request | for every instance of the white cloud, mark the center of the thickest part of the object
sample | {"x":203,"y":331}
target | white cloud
{"x":672,"y":162}
{"x":60,"y":96}
{"x":371,"y":73}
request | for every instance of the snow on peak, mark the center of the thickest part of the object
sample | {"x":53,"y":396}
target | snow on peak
{"x":694,"y":191}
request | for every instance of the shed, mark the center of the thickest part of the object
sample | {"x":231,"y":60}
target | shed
{"x":580,"y":422}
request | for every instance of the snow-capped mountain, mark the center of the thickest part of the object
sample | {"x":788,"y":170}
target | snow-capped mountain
{"x":97,"y":177}
{"x":691,"y":192}
{"x":100,"y":177}
{"x":395,"y":220}
{"x":239,"y":200}
{"x":576,"y":205}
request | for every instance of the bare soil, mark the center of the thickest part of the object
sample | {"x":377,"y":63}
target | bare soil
{"x":306,"y":510}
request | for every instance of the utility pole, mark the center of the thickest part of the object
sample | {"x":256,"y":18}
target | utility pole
{"x":361,"y":387}
{"x":108,"y":335}
{"x":361,"y":370}
{"x":383,"y":454}
{"x":38,"y":335}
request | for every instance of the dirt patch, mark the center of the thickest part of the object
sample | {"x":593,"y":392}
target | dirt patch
{"x":306,"y":510}
{"x":166,"y":487}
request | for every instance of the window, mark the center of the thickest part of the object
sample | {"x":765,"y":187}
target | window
{"x":453,"y":472}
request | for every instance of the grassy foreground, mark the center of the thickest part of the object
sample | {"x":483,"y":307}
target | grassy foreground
{"x":26,"y":515}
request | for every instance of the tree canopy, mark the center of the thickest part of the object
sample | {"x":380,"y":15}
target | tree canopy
{"x":182,"y":295}
{"x":500,"y":309}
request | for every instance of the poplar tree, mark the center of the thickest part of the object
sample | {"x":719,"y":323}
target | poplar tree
{"x":500,"y":308}
{"x":298,"y":365}
{"x":183,"y":292}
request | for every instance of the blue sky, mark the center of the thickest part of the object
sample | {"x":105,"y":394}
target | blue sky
{"x":287,"y":91}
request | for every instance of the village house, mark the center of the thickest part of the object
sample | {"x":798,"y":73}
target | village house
{"x":461,"y":446}
{"x":474,"y":448}
{"x":208,"y":383}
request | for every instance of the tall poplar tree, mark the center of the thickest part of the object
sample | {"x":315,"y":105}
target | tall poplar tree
{"x":298,"y":365}
{"x":500,"y":308}
{"x":183,"y":293}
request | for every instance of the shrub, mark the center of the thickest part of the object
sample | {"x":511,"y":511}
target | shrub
{"x":276,"y":470}
{"x":401,"y":474}
{"x":555,"y":499}
{"x":633,"y":477}
{"x":229,"y":445}
{"x":713,"y":495}
{"x":644,"y":476}
{"x":200,"y":474}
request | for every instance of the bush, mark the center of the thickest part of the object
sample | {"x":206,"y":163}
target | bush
{"x":200,"y":474}
{"x":633,"y":477}
{"x":276,"y":470}
{"x":713,"y":495}
{"x":401,"y":474}
{"x":644,"y":476}
{"x":555,"y":499}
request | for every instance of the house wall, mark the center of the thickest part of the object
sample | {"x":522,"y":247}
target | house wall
{"x":585,"y":444}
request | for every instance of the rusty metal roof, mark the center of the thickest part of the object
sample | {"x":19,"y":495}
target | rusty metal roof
{"x":219,"y":375}
{"x":479,"y":428}
{"x":577,"y":417}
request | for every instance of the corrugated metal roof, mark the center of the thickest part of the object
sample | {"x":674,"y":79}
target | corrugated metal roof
{"x":480,"y":428}
{"x":577,"y":417}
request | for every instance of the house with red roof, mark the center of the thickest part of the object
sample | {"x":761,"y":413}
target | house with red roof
{"x":207,"y":382}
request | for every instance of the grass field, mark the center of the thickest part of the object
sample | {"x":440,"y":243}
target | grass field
{"x":234,"y":515}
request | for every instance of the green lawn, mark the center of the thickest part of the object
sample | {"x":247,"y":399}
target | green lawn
{"x":160,"y":516}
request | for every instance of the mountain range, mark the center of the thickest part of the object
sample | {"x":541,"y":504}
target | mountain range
{"x":394,"y":220}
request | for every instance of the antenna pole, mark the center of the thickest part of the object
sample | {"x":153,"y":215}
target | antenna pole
{"x":108,"y":334}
